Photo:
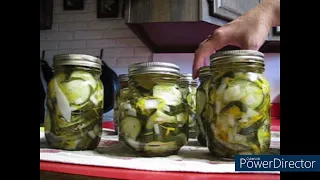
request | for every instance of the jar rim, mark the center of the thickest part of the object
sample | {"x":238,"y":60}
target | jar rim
{"x":187,"y":78}
{"x":154,"y":67}
{"x":123,"y":77}
{"x":204,"y":71}
{"x":77,"y":60}
{"x":234,"y":56}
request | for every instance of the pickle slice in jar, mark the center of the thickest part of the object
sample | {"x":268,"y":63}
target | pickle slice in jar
{"x":76,"y":91}
{"x":169,"y":93}
{"x":147,"y":105}
{"x":248,"y":92}
{"x":130,"y":127}
{"x":264,"y":136}
{"x":62,"y":103}
{"x":85,"y":76}
{"x":201,"y":101}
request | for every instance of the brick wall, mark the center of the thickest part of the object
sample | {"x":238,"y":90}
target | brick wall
{"x":82,"y":32}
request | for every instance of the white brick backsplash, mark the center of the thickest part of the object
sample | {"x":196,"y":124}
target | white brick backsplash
{"x":58,"y":18}
{"x":84,"y":17}
{"x":42,"y":36}
{"x":81,"y":44}
{"x":59,"y":36}
{"x":111,"y":62}
{"x":142,"y":51}
{"x":101,"y":43}
{"x":92,"y":52}
{"x":125,"y":62}
{"x":88,"y":34}
{"x":49,"y":55}
{"x":107,"y":24}
{"x":118,"y":52}
{"x":48,"y":45}
{"x":74,"y":26}
{"x":118,"y":33}
{"x":129,"y":42}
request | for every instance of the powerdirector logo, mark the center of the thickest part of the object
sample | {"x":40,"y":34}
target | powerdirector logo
{"x":282,"y":163}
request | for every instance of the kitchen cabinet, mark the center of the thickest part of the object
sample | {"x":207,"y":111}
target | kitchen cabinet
{"x":178,"y":26}
{"x":230,"y":9}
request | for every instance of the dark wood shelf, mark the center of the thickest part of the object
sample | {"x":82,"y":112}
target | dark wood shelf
{"x":182,"y":37}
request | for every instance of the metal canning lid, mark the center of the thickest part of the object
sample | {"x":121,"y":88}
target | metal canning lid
{"x":154,"y":67}
{"x":237,"y":56}
{"x":187,"y":77}
{"x":77,"y":60}
{"x":123,"y":77}
{"x":204,"y":71}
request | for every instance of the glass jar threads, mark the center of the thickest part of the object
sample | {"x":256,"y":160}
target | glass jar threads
{"x":202,"y":113}
{"x":158,"y":122}
{"x":74,"y":103}
{"x":188,"y":88}
{"x":240,"y":102}
{"x":121,"y":100}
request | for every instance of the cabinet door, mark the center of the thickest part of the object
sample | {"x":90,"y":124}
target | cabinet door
{"x":275,"y":34}
{"x":231,"y":9}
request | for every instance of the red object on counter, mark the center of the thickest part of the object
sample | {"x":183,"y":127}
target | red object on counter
{"x":121,"y":173}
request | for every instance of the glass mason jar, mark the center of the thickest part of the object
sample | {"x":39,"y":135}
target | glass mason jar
{"x":188,"y":88}
{"x":156,"y":122}
{"x":121,"y":100}
{"x":74,"y":103}
{"x":240,"y":104}
{"x":202,"y":105}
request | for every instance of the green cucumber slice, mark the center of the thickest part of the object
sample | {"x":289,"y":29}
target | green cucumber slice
{"x":201,"y":101}
{"x":169,"y":93}
{"x":245,"y":91}
{"x":62,"y":102}
{"x":130,"y":127}
{"x":85,"y":76}
{"x":76,"y":91}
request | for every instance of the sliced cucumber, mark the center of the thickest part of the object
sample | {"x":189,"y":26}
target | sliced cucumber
{"x":169,"y":93}
{"x":161,"y":117}
{"x":245,"y":91}
{"x":130,"y":127}
{"x":158,"y":147}
{"x":78,"y":92}
{"x":201,"y":101}
{"x":85,"y":76}
{"x":149,"y":104}
{"x":62,"y":102}
{"x":182,"y":118}
{"x":235,"y":108}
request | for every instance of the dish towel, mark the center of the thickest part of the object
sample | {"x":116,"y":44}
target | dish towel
{"x":110,"y":153}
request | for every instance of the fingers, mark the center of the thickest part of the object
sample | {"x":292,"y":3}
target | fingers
{"x":202,"y":53}
{"x":207,"y":48}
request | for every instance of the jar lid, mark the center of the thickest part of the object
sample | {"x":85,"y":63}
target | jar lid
{"x":154,"y":67}
{"x":187,"y":77}
{"x":77,"y":60}
{"x":123,"y":77}
{"x":204,"y":71}
{"x":237,"y":56}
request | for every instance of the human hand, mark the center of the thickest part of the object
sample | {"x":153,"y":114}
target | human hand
{"x":247,"y":32}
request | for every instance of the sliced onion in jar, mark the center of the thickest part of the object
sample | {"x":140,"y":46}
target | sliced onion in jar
{"x":62,"y":102}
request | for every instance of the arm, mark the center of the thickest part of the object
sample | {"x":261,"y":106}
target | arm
{"x":249,"y":31}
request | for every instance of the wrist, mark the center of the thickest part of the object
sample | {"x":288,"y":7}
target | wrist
{"x":272,"y":8}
